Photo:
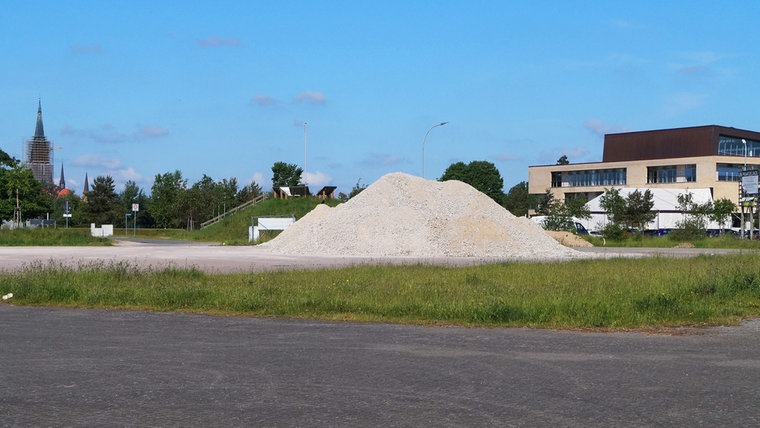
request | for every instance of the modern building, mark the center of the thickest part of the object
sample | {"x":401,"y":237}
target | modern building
{"x":39,"y":151}
{"x":703,"y":157}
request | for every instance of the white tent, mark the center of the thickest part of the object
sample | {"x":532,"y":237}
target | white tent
{"x":665,"y":205}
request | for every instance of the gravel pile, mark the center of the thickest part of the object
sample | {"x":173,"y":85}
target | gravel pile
{"x":405,"y":215}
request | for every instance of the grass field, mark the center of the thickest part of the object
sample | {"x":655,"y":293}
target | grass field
{"x":613,"y":294}
{"x":50,"y":236}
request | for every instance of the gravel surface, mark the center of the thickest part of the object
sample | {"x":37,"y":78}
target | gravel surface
{"x":401,"y":215}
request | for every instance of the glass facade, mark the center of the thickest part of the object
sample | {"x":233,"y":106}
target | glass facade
{"x":729,"y":172}
{"x":732,"y":146}
{"x":672,"y":174}
{"x":588,"y":178}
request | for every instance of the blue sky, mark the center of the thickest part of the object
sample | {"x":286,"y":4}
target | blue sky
{"x":137,"y":88}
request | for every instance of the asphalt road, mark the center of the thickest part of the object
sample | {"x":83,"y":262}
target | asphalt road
{"x":72,"y":367}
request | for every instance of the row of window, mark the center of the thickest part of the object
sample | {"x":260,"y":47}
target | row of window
{"x":672,"y":174}
{"x":732,"y":146}
{"x":655,"y":174}
{"x":592,"y":177}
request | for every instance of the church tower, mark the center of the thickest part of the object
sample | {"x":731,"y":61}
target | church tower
{"x":38,"y":151}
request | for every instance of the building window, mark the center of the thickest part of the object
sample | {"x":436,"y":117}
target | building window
{"x":590,"y":178}
{"x":690,"y":173}
{"x":729,"y":172}
{"x":732,"y":146}
{"x":556,"y":179}
{"x":672,"y":174}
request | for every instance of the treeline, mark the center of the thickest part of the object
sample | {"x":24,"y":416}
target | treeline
{"x":172,"y":203}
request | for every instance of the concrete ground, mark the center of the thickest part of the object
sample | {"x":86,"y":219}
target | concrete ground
{"x":216,"y":258}
{"x":73,"y":367}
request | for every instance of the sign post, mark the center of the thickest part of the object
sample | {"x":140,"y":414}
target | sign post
{"x":135,"y":209}
{"x":749,"y":193}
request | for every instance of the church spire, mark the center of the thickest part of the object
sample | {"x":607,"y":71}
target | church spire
{"x":86,"y":185}
{"x":62,"y":181}
{"x":39,"y":131}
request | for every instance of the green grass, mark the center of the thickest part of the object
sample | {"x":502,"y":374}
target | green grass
{"x":50,"y":237}
{"x":599,"y":294}
{"x":639,"y":241}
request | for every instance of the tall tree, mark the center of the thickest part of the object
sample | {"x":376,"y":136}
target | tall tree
{"x":166,"y":199}
{"x":721,"y":211}
{"x":248,"y":193}
{"x":639,"y":208}
{"x":518,"y":201}
{"x":133,"y":194}
{"x":286,"y":174}
{"x":103,"y":204}
{"x":481,"y":175}
{"x":18,"y":186}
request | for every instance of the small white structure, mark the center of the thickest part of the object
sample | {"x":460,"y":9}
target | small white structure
{"x":103,"y":231}
{"x":269,"y":223}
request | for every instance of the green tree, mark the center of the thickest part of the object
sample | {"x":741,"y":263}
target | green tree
{"x":518,"y":201}
{"x":638,"y":210}
{"x":358,"y":187}
{"x":482,"y":175}
{"x":721,"y":211}
{"x":614,"y":205}
{"x":694,"y":223}
{"x":133,"y":194}
{"x":167,"y":195}
{"x":562,"y":215}
{"x":103,"y":204}
{"x":248,"y":193}
{"x":546,"y":203}
{"x":18,"y":186}
{"x":635,"y":210}
{"x":563,"y":160}
{"x":286,"y":175}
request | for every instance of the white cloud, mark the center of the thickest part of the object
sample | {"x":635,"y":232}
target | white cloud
{"x":311,"y":97}
{"x":263,"y":100}
{"x":108,"y":134}
{"x":600,"y":128}
{"x":151,"y":131}
{"x":316,"y":179}
{"x":257,"y":178}
{"x":96,"y":162}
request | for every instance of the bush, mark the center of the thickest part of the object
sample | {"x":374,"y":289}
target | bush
{"x":614,"y":232}
{"x":689,"y":230}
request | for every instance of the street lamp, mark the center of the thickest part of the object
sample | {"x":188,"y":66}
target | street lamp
{"x":305,"y":139}
{"x":745,"y":153}
{"x":126,"y":224}
{"x":423,"y":145}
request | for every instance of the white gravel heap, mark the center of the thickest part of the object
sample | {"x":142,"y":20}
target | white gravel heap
{"x":404,"y":215}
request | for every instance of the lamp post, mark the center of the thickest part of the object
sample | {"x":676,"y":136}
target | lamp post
{"x":744,"y":195}
{"x":305,"y":139}
{"x":423,"y":145}
{"x":126,"y":223}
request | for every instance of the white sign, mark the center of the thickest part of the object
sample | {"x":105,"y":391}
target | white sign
{"x":749,"y":182}
{"x":135,"y":207}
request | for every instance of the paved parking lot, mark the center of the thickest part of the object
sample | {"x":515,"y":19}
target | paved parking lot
{"x":73,"y":367}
